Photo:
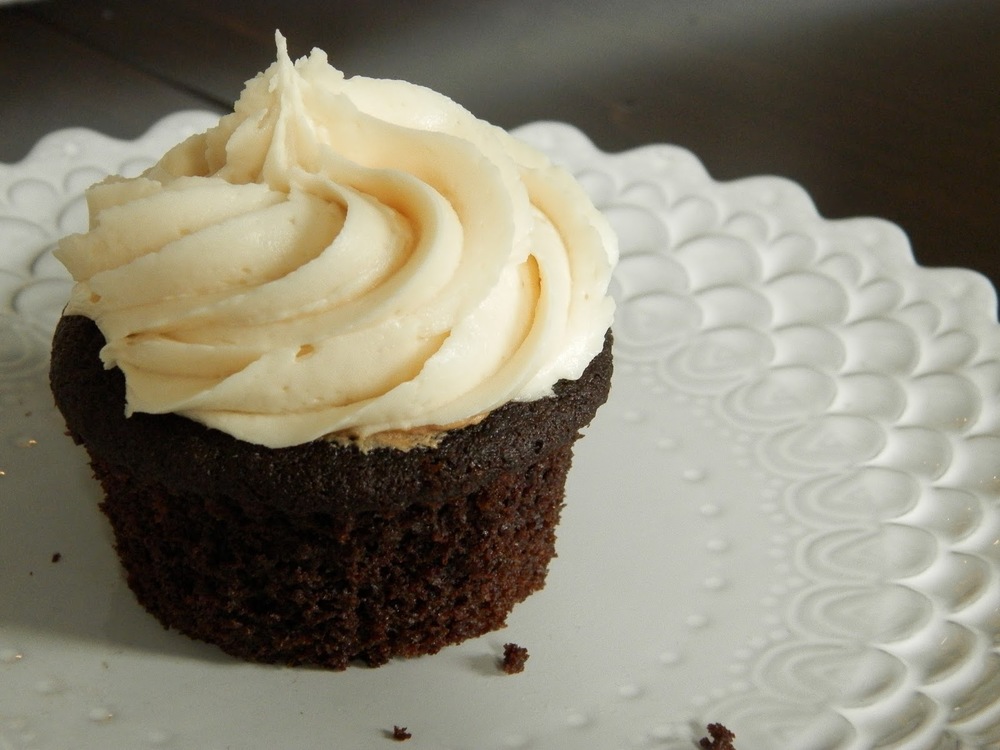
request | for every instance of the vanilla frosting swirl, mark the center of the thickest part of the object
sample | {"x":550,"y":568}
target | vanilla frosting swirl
{"x":342,"y":257}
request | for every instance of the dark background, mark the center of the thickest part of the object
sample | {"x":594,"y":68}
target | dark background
{"x":877,"y":107}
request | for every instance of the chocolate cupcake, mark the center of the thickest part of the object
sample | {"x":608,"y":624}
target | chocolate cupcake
{"x":329,"y":360}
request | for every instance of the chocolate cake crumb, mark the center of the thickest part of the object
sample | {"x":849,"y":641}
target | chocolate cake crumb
{"x":721,"y":738}
{"x":514,"y":657}
{"x":57,"y":557}
{"x":399,"y":734}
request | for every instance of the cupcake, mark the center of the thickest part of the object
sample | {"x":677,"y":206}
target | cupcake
{"x":329,"y":360}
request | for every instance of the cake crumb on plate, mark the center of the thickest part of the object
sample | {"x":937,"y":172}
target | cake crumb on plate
{"x":721,"y":738}
{"x":399,"y":733}
{"x":514,"y":657}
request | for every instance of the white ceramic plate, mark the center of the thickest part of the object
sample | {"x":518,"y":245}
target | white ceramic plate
{"x":785,"y":519}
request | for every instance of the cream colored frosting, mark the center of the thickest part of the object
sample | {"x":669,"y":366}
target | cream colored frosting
{"x":342,"y":257}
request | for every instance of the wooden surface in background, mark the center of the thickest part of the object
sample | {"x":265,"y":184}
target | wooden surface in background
{"x":888,"y":108}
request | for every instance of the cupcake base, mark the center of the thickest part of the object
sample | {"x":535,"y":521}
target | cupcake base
{"x":322,"y":554}
{"x":324,"y":591}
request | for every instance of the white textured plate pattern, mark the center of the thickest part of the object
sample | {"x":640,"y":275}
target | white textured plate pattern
{"x":785,"y":519}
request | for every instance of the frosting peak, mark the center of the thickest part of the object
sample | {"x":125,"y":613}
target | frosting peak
{"x":342,"y":257}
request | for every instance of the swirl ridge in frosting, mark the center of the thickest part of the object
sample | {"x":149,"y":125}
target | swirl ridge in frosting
{"x":342,"y":257}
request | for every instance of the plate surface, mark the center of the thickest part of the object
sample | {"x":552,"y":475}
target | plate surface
{"x":785,"y":519}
